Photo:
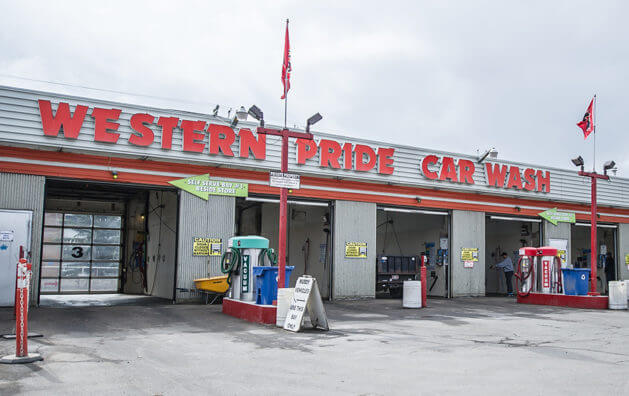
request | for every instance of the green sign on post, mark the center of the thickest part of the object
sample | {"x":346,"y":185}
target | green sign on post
{"x":202,"y":186}
{"x":554,"y":216}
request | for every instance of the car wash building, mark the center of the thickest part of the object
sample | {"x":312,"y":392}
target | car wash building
{"x":107,"y":197}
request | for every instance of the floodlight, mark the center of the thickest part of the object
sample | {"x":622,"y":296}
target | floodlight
{"x":215,"y":111}
{"x":241,"y":113}
{"x":234,"y":122}
{"x":255,"y":112}
{"x":578,"y":161}
{"x":313,"y":120}
{"x":608,"y":165}
{"x":485,"y":155}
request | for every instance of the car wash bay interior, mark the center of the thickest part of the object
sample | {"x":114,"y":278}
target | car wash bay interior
{"x":309,"y":233}
{"x":508,"y":235}
{"x":402,"y":236}
{"x":580,"y":256}
{"x":108,"y":238}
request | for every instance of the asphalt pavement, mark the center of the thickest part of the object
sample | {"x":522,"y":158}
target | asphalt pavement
{"x":489,"y":346}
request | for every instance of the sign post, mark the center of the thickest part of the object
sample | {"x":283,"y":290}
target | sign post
{"x":285,"y":134}
{"x":21,"y":317}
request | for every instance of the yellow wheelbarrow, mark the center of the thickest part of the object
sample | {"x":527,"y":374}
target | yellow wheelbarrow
{"x":216,"y":286}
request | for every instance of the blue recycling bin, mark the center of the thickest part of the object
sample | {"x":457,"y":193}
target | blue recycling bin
{"x":576,"y":281}
{"x":266,"y":283}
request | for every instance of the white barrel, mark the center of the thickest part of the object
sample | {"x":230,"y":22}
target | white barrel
{"x":412,"y":294}
{"x":284,"y":297}
{"x":617,"y":295}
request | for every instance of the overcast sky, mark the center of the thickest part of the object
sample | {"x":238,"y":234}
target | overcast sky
{"x":459,"y":76}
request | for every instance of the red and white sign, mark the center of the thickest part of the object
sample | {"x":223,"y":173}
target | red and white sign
{"x":461,"y":171}
{"x":545,"y":273}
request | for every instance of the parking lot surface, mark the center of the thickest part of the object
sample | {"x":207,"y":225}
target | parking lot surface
{"x":463,"y":346}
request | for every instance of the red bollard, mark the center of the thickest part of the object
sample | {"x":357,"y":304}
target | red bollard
{"x":422,"y":272}
{"x":21,"y":317}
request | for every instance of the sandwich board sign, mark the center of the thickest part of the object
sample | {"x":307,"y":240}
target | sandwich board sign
{"x":306,"y":296}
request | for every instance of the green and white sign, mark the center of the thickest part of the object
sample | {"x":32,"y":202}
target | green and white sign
{"x":202,"y":186}
{"x":244,"y":276}
{"x":554,"y":216}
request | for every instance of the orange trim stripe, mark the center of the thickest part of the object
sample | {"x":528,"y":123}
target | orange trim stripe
{"x":429,"y":198}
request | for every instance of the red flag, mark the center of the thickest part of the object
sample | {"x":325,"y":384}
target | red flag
{"x":587,"y":124}
{"x":286,"y":67}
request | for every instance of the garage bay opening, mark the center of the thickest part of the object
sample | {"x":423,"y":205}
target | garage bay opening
{"x":506,"y":235}
{"x":403,"y":236}
{"x":107,"y":239}
{"x":309,"y":238}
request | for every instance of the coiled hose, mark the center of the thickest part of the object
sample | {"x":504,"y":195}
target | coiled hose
{"x":520,"y":277}
{"x":270,"y":253}
{"x":230,"y":263}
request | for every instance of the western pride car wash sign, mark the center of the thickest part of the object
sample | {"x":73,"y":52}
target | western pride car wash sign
{"x":496,"y":175}
{"x":221,"y":141}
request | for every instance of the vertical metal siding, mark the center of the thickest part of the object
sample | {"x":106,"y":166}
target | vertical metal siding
{"x":26,"y":192}
{"x":354,"y":222}
{"x":214,"y":218}
{"x":468,"y":231}
{"x":623,"y":250}
{"x":20,"y":125}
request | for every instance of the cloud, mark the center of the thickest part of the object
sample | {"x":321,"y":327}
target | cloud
{"x":450,"y":75}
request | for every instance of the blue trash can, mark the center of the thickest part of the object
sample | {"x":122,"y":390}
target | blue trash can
{"x":266,"y":283}
{"x":576,"y":281}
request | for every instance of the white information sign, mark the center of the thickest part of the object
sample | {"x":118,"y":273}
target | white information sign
{"x":6,"y":236}
{"x":306,"y":296}
{"x":284,"y":180}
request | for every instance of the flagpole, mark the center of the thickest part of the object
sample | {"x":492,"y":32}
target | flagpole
{"x":594,"y":131}
{"x":285,"y":90}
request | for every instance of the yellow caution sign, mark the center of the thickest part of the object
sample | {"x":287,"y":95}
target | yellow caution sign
{"x":469,"y":254}
{"x":355,"y":249}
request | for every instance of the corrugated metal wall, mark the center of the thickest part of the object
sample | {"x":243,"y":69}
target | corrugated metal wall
{"x":623,"y":251}
{"x":20,"y":125}
{"x":468,"y":231}
{"x":26,"y":192}
{"x":354,"y":222}
{"x":559,"y":231}
{"x":214,"y":218}
{"x":161,"y":243}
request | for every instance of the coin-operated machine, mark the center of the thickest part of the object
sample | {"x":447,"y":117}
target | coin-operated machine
{"x":539,"y":270}
{"x":525,"y":276}
{"x":244,"y":253}
{"x":549,"y":269}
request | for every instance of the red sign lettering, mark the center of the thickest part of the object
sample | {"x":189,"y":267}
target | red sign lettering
{"x":146,"y":134}
{"x":63,"y":120}
{"x":221,"y":138}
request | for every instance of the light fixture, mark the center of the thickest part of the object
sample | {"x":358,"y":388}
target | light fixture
{"x":215,"y":111}
{"x":255,"y":112}
{"x":234,"y":122}
{"x":241,"y":113}
{"x":578,"y":161}
{"x":402,"y":210}
{"x":114,"y":174}
{"x":313,"y":120}
{"x":485,"y":155}
{"x":608,"y":165}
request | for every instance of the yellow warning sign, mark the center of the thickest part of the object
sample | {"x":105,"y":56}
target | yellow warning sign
{"x":207,"y":246}
{"x":469,"y":254}
{"x":355,"y":249}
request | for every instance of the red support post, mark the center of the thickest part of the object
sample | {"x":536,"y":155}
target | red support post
{"x":593,"y":243}
{"x":593,"y":219}
{"x":281,"y":254}
{"x":423,"y":280}
{"x":281,"y":248}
